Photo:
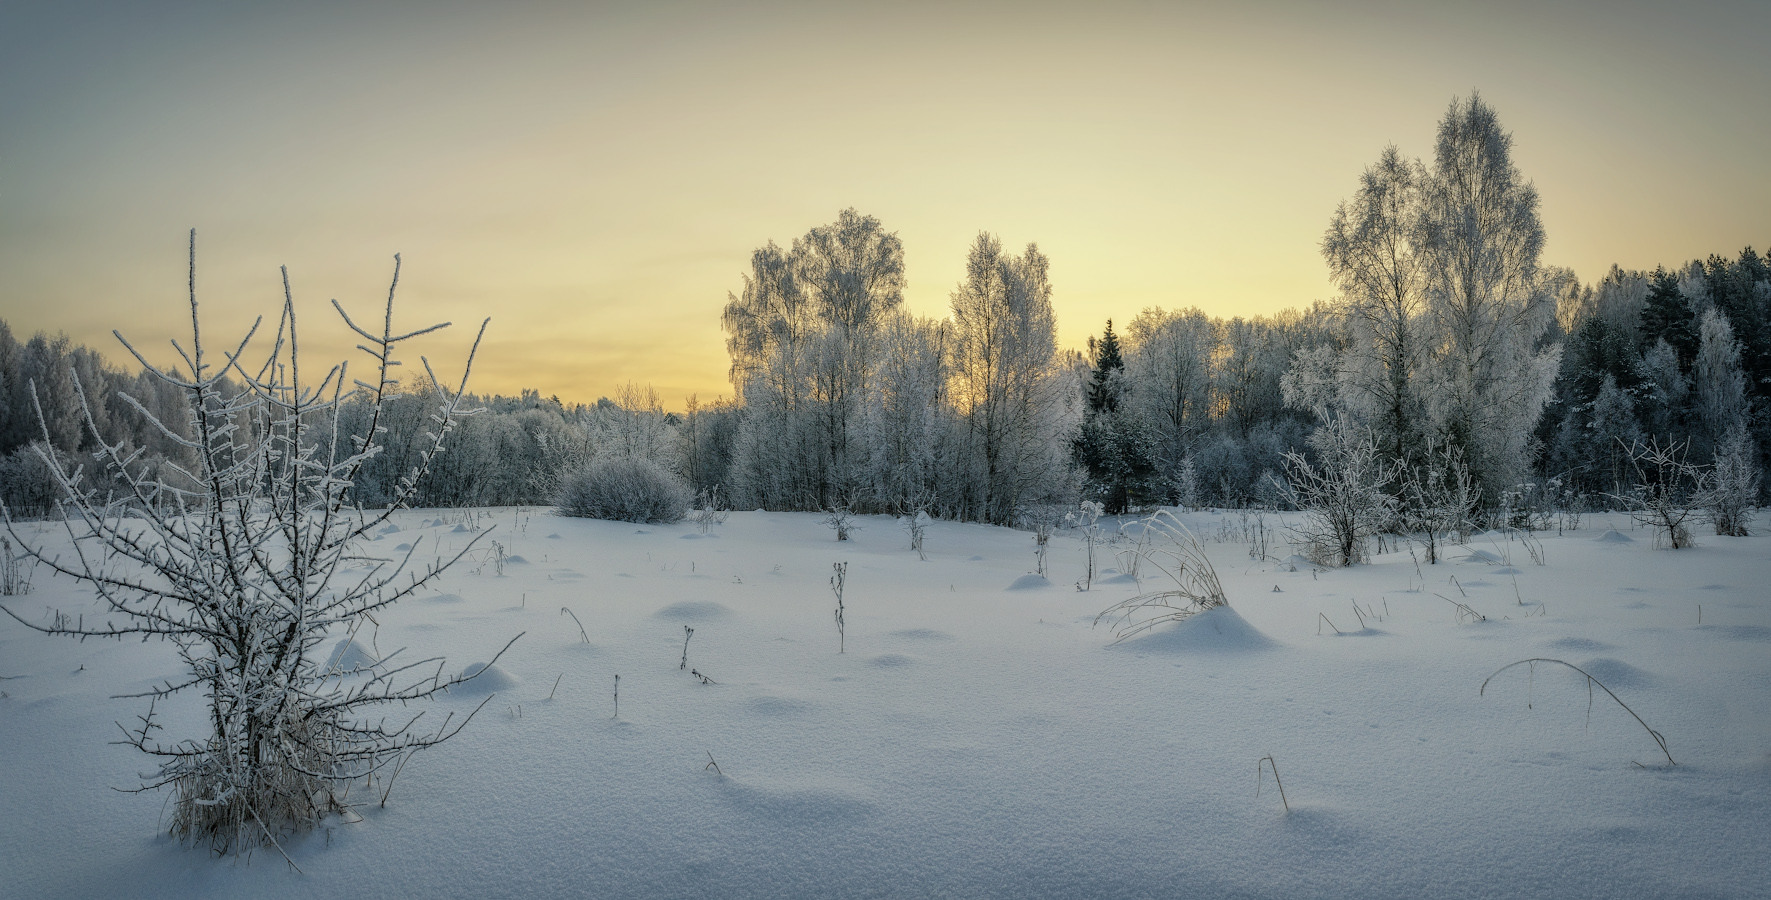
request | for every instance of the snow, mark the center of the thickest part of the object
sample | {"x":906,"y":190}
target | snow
{"x":974,"y":741}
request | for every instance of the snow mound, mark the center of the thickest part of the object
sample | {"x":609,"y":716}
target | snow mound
{"x":349,"y":656}
{"x":1482,"y":556}
{"x":403,"y":547}
{"x":1582,"y":644}
{"x":1367,"y":631}
{"x":1613,"y":536}
{"x":1117,"y":577}
{"x":391,"y":529}
{"x":1616,"y":673}
{"x":447,"y":598}
{"x":795,"y":802}
{"x":890,"y":661}
{"x":1505,"y":570}
{"x":1740,"y":632}
{"x":486,"y":679}
{"x":923,"y":634}
{"x":1029,"y":582}
{"x":691,"y":536}
{"x":515,"y":561}
{"x":693,"y":611}
{"x":460,"y":529}
{"x":770,"y":705}
{"x":555,"y":537}
{"x":1215,"y":629}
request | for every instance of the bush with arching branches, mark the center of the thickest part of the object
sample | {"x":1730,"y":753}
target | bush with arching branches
{"x":1438,"y":499}
{"x":248,"y":559}
{"x":1669,"y":492}
{"x":1344,"y":497}
{"x":625,"y":489}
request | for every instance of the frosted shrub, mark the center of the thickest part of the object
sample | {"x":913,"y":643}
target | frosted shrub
{"x":1669,"y":491}
{"x":917,"y":525}
{"x":27,"y":489}
{"x":241,"y":564}
{"x":1734,"y":486}
{"x":625,"y":489}
{"x":1344,"y":498}
{"x":841,"y":519}
{"x":709,"y":511}
{"x":1439,"y":499}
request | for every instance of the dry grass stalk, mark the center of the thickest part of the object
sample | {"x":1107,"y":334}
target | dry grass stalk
{"x":1176,"y":552}
{"x":1260,"y":767}
{"x":1530,"y":666}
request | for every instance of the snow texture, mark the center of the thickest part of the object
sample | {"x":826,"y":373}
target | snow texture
{"x":978,"y":743}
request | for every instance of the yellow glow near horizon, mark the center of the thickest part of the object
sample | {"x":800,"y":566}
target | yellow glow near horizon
{"x":595,"y":181}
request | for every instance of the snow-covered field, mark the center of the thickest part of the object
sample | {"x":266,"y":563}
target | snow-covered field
{"x":978,"y":739}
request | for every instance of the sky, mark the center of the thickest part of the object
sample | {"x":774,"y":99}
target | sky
{"x":594,"y":177}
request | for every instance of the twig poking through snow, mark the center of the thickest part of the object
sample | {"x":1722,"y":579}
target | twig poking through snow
{"x":1463,"y":610}
{"x":581,"y":635}
{"x":1260,"y":767}
{"x":687,"y":633}
{"x":712,"y":765}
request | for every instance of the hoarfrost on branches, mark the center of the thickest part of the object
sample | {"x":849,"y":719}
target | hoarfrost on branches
{"x":247,"y":560}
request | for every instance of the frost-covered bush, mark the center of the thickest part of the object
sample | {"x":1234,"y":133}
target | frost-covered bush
{"x":1344,"y":496}
{"x":27,"y":489}
{"x":237,"y":560}
{"x":1669,"y":491}
{"x":1734,"y":486}
{"x":625,"y":489}
{"x":1439,"y":499}
{"x":708,"y":509}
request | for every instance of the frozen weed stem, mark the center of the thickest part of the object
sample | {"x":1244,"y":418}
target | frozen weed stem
{"x":585,"y":638}
{"x":1531,"y":669}
{"x":244,"y":558}
{"x":838,"y":579}
{"x":1260,"y":767}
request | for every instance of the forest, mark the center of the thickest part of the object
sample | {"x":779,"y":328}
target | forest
{"x":1454,"y":354}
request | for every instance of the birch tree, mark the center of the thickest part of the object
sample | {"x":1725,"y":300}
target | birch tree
{"x":1372,"y":252}
{"x":1002,"y":378}
{"x":1486,"y":301}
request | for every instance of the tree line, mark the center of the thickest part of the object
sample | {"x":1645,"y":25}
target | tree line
{"x":1450,"y":343}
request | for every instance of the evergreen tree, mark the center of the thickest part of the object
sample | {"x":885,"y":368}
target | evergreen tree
{"x":1667,"y":316}
{"x":1108,"y":445}
{"x":1104,"y":389}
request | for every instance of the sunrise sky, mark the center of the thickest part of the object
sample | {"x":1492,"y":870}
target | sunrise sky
{"x":594,"y":176}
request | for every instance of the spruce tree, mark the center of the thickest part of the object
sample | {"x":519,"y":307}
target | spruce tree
{"x":1108,"y":446}
{"x":1104,"y":390}
{"x":1667,"y":316}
